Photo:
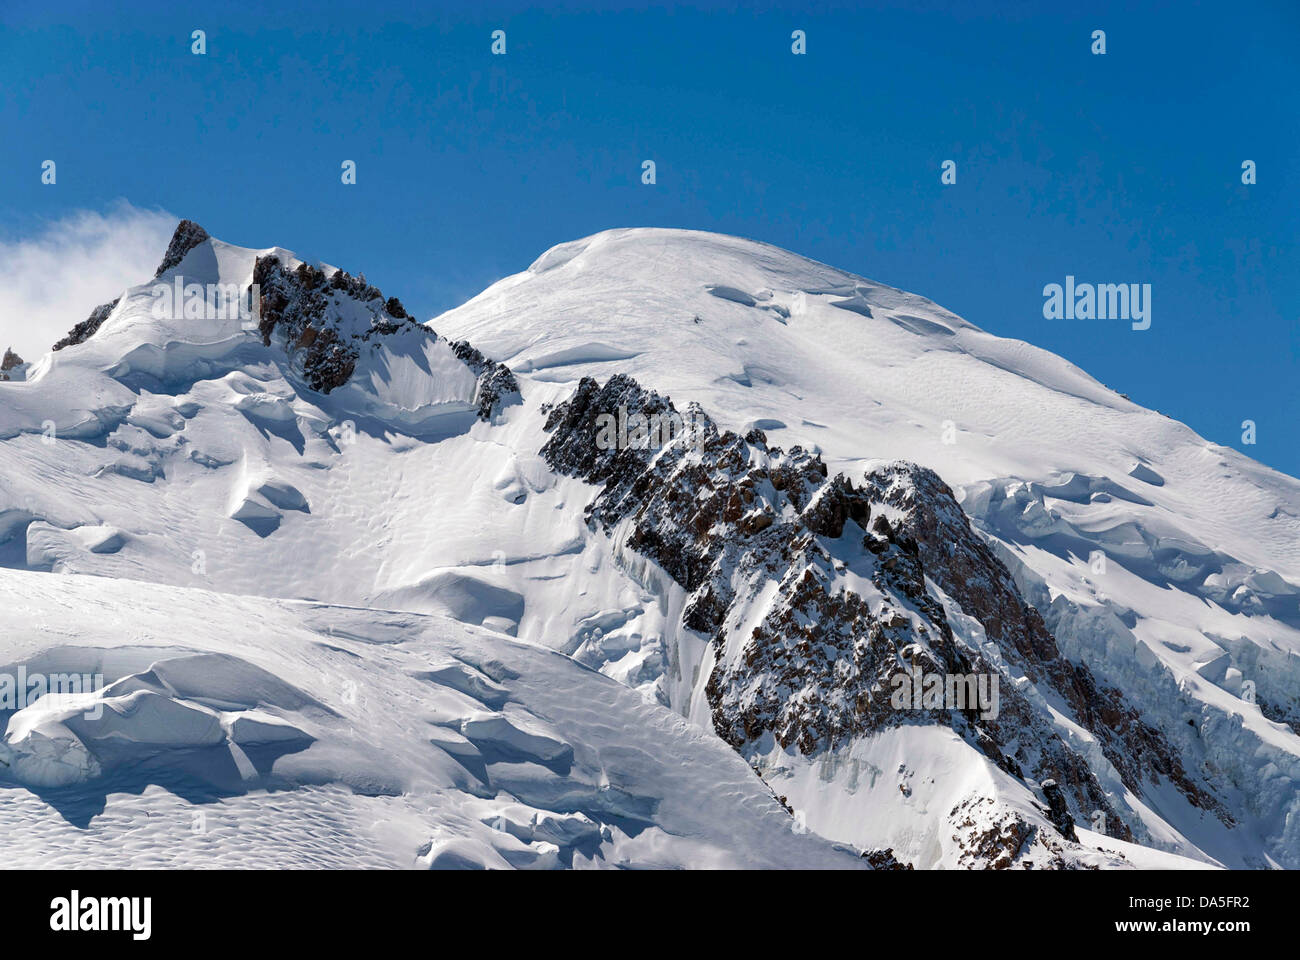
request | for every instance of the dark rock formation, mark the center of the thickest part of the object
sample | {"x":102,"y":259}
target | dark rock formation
{"x":186,"y":237}
{"x":884,"y":860}
{"x":964,"y":566}
{"x":394,"y":308}
{"x":10,"y":361}
{"x":729,"y":517}
{"x":296,"y":305}
{"x":293,"y":302}
{"x":993,"y":839}
{"x":497,"y":386}
{"x":1058,"y":811}
{"x":88,"y":327}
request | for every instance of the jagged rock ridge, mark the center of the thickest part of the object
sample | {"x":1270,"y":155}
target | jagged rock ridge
{"x":964,"y":566}
{"x":496,"y":384}
{"x":725,"y":515}
{"x":323,"y":320}
{"x":295,"y":303}
{"x":87,"y":328}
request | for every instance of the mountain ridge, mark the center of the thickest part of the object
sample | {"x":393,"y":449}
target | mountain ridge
{"x":466,"y":478}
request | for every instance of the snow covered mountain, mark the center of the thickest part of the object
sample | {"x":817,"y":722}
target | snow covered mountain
{"x":317,"y":550}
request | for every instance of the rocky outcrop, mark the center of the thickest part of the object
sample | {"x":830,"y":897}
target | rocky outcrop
{"x":186,"y":237}
{"x":296,"y":305}
{"x":88,"y":327}
{"x":997,"y":839}
{"x":964,"y":566}
{"x":725,"y":515}
{"x":755,"y":535}
{"x":497,"y":386}
{"x":302,"y":308}
{"x":884,"y":860}
{"x":10,"y":362}
{"x":324,"y":321}
{"x":704,"y":501}
{"x":1058,"y":811}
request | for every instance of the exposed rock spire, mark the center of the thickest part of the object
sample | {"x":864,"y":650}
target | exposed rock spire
{"x":188,"y":235}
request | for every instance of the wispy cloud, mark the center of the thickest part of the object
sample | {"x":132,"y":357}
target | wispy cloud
{"x":52,"y":279}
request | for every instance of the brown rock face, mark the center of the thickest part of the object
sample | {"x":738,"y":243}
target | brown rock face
{"x":295,"y":305}
{"x":10,"y":361}
{"x":884,"y":860}
{"x":728,"y":517}
{"x":294,"y":302}
{"x":964,"y":566}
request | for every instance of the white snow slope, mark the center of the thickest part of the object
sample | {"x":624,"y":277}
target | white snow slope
{"x":186,"y":454}
{"x":243,"y":732}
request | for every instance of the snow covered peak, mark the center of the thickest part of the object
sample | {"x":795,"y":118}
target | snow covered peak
{"x":187,"y":236}
{"x":217,"y":309}
{"x":858,"y":371}
{"x":696,"y":254}
{"x":765,"y":575}
{"x":623,"y":279}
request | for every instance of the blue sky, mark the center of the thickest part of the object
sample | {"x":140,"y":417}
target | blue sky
{"x":1117,"y":168}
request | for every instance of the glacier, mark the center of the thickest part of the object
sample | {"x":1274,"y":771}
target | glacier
{"x":375,"y":576}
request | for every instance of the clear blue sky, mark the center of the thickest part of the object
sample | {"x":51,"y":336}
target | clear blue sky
{"x":1117,"y":168}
